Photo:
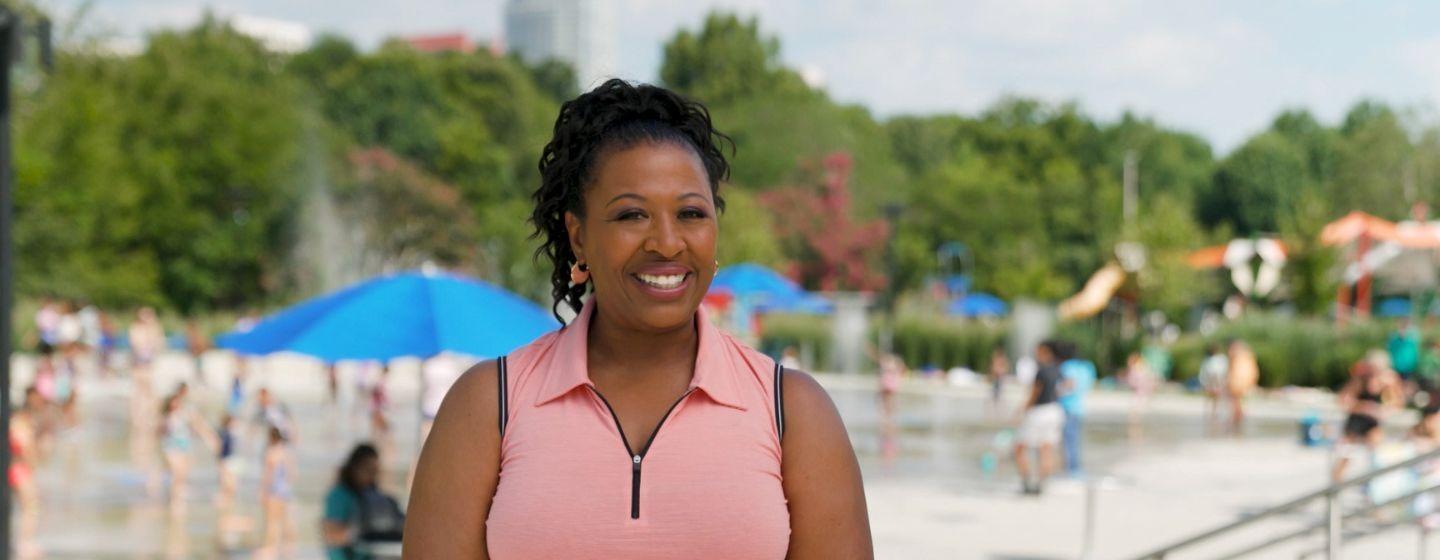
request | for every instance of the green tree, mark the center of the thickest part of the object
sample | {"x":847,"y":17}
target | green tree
{"x":727,"y":60}
{"x":1256,"y":185}
{"x":177,"y":171}
{"x":1374,"y":163}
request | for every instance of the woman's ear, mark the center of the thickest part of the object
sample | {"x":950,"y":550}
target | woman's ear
{"x":575,"y":227}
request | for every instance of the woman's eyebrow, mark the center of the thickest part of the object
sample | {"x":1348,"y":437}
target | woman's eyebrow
{"x":691,"y":194}
{"x":625,"y":195}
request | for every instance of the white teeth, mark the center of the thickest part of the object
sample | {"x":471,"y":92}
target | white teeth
{"x":663,"y":282}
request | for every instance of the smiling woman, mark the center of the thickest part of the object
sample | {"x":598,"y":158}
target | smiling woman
{"x":639,"y":430}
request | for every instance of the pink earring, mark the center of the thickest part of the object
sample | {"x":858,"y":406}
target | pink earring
{"x":579,"y":273}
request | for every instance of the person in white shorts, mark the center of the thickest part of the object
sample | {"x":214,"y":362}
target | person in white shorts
{"x":1041,"y":422}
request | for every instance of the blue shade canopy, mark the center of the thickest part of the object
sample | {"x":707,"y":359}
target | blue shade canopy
{"x":1393,"y":307}
{"x":979,"y":305}
{"x":767,"y":290}
{"x":410,"y":314}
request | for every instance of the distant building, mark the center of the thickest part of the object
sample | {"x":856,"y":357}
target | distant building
{"x":580,"y":32}
{"x":441,"y":43}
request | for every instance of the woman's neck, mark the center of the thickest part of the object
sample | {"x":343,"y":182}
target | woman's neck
{"x":620,"y":348}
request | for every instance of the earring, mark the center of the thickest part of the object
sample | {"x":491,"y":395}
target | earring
{"x":579,"y":273}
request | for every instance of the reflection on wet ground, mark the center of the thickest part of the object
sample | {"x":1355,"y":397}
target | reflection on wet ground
{"x":96,"y":505}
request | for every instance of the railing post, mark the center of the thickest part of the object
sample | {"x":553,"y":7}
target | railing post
{"x":1089,"y":543}
{"x":1332,"y":527}
{"x":1424,"y":532}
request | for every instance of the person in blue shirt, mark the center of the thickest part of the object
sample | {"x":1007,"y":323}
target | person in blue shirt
{"x":1404,"y":348}
{"x":1077,"y":377}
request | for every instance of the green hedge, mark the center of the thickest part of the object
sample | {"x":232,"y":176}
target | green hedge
{"x":1309,"y":352}
{"x":1290,"y":350}
{"x":810,"y":334}
{"x":945,"y":343}
{"x":921,"y":342}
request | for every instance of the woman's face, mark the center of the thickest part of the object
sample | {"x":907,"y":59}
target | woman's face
{"x":367,"y":472}
{"x":648,"y":235}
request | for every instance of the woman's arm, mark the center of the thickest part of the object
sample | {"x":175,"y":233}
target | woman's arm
{"x":334,"y":534}
{"x":457,"y":473}
{"x":1393,"y":395}
{"x":821,"y":477}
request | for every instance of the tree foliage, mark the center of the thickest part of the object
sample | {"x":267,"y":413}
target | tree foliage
{"x":179,"y":176}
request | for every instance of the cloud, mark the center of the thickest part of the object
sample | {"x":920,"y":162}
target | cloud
{"x":1422,"y":58}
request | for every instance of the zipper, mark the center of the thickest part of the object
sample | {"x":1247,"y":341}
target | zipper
{"x":636,"y":459}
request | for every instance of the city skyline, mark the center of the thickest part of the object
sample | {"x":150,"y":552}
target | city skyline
{"x":1221,"y":70}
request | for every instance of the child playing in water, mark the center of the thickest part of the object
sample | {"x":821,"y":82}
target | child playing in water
{"x":277,"y":490}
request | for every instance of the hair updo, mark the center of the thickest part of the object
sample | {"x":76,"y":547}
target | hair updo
{"x":614,"y":116}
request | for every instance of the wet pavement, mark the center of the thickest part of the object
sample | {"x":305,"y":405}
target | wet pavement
{"x":95,"y":502}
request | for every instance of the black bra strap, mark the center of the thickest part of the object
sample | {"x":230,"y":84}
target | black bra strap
{"x":504,"y":414}
{"x":779,"y":399}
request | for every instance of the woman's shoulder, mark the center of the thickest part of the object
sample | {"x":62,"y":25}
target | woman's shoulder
{"x":477,"y":387}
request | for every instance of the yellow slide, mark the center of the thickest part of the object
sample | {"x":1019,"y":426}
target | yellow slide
{"x":1095,"y":295}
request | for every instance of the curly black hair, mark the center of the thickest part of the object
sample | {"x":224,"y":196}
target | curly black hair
{"x":614,"y":116}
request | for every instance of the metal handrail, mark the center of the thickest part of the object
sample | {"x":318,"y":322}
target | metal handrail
{"x":1328,"y":492}
{"x":1306,"y":530}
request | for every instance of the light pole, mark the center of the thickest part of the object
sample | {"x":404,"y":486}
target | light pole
{"x":12,"y":29}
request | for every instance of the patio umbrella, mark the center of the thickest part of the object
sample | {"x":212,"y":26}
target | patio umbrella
{"x":979,"y":305}
{"x":767,"y":290}
{"x":410,"y":314}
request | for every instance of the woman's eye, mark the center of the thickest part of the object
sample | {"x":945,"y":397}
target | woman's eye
{"x":630,"y":215}
{"x":693,"y":214}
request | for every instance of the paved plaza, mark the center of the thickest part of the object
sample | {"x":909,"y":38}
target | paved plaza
{"x":930,"y":492}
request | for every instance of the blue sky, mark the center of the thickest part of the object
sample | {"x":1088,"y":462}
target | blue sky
{"x":1220,"y":69}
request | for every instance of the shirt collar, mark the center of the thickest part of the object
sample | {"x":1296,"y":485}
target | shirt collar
{"x":715,"y":364}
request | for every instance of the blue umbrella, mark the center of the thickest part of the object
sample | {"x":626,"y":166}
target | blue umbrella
{"x":1393,"y":307}
{"x":410,"y":314}
{"x":979,"y":305}
{"x":768,"y":290}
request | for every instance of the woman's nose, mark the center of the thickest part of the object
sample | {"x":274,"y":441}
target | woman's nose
{"x":664,"y":238}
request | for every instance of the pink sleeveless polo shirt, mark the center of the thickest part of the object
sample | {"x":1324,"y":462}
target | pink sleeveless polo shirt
{"x":706,"y":486}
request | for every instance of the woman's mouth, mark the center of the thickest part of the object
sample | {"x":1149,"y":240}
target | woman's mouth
{"x":663,"y":281}
{"x":666,"y":287}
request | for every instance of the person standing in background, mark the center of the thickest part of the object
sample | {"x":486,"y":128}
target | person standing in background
{"x":997,"y":372}
{"x":1077,"y":378}
{"x":1373,"y":391}
{"x":1214,"y":374}
{"x":196,"y":343}
{"x":1142,"y":380}
{"x":147,"y":340}
{"x":277,"y":491}
{"x":1244,"y":375}
{"x":1403,"y":345}
{"x":1041,"y":421}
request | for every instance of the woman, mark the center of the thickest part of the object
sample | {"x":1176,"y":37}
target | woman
{"x":639,"y":430}
{"x":355,"y":508}
{"x":1372,"y":391}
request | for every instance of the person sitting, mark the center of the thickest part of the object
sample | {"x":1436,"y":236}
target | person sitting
{"x":356,"y":510}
